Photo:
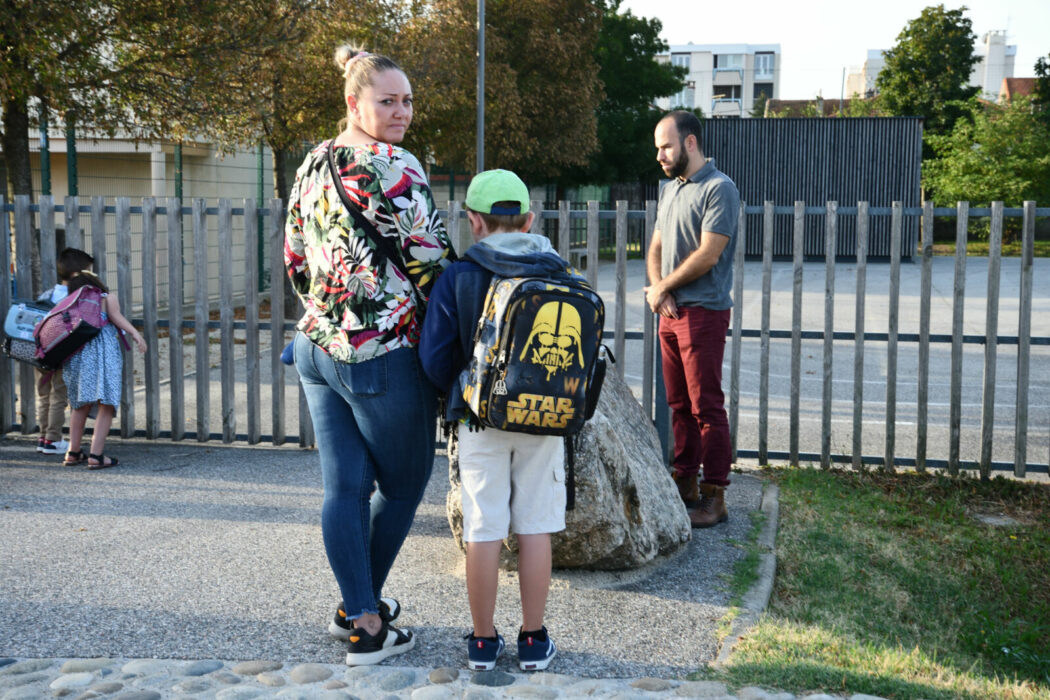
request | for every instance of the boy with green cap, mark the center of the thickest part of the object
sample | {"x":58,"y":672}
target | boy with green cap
{"x":509,"y":481}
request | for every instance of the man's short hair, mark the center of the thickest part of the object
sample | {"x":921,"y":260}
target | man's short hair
{"x":687,"y":124}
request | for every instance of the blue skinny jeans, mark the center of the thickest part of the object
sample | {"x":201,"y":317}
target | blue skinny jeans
{"x":375,"y":423}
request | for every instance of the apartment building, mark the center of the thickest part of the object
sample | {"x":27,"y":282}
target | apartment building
{"x":121,"y":166}
{"x":724,"y":80}
{"x":861,"y":79}
{"x":996,"y":62}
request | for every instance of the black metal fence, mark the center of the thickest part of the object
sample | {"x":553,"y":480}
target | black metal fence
{"x":873,"y":159}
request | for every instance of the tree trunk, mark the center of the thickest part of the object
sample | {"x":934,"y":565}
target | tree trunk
{"x":19,"y":173}
{"x":292,"y":308}
{"x":280,"y":174}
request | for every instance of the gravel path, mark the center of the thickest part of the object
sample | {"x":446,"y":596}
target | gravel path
{"x":208,"y":552}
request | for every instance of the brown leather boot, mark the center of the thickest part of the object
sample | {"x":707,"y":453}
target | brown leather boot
{"x":712,"y":508}
{"x":688,"y":489}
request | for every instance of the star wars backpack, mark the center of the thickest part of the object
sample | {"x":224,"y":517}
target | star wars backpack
{"x":538,"y":361}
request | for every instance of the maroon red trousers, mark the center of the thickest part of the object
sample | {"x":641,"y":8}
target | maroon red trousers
{"x":692,"y":348}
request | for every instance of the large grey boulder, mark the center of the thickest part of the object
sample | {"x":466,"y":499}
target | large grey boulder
{"x":627,"y":506}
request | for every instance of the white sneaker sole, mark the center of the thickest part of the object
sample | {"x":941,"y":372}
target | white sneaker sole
{"x":56,"y":448}
{"x":540,"y":665}
{"x":375,"y":657}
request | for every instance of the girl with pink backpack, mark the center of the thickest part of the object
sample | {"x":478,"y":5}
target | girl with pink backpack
{"x":93,"y":377}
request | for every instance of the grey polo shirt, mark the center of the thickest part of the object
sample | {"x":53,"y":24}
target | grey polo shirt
{"x":708,"y":201}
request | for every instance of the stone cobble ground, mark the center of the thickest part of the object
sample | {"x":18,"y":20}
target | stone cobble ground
{"x":152,"y":679}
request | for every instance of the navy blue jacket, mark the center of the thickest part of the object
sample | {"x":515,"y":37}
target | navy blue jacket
{"x":458,"y":299}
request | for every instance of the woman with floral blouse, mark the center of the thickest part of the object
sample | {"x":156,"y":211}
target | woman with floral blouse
{"x":364,"y":285}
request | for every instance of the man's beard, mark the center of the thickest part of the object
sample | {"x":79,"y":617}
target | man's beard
{"x":680,"y":165}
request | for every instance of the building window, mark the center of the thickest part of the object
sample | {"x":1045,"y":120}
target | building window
{"x":728,"y":92}
{"x":729,"y":60}
{"x":765,"y":62}
{"x":684,"y":99}
{"x":763,"y":89}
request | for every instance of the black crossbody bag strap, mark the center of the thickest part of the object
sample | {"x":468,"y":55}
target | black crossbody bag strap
{"x":385,"y":245}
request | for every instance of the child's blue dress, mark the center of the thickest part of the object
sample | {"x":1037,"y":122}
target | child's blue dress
{"x":94,"y":374}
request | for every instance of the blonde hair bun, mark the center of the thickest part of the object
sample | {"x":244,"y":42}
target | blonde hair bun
{"x":344,"y":53}
{"x":359,"y":67}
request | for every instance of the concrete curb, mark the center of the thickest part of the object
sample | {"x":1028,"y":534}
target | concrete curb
{"x":756,"y":600}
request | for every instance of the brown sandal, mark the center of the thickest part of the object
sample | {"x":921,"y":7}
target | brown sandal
{"x":74,"y":458}
{"x":101,"y":459}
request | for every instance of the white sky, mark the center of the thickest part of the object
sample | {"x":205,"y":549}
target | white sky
{"x":818,"y":38}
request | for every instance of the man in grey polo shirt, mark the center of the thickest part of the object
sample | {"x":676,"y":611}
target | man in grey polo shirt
{"x":690,"y":267}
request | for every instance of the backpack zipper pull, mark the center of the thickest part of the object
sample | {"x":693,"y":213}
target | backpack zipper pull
{"x":500,"y":387}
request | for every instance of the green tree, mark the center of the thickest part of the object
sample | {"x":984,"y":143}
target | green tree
{"x":759,"y":110}
{"x":436,"y":43}
{"x":1002,"y":155}
{"x":541,"y":85}
{"x":1041,"y":93}
{"x":632,"y":79}
{"x":927,"y":71}
{"x":49,"y":50}
{"x":277,"y":85}
{"x":863,"y":107}
{"x":148,"y":68}
{"x":296,"y":96}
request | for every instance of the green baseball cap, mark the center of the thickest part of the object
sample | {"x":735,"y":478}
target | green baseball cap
{"x":493,"y":186}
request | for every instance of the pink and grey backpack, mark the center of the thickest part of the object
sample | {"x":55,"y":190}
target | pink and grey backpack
{"x":68,"y":327}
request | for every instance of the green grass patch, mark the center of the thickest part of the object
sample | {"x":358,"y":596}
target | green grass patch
{"x":891,"y":585}
{"x":609,"y":254}
{"x":1012,"y":249}
{"x":743,"y":576}
{"x":745,"y":571}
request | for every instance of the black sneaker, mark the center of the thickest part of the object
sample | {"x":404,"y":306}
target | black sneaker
{"x":536,"y":650}
{"x":482,"y":652}
{"x":340,"y":627}
{"x":364,"y":649}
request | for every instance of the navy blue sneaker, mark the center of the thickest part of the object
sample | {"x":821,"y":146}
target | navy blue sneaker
{"x":536,"y":650}
{"x":340,"y":627}
{"x":482,"y":652}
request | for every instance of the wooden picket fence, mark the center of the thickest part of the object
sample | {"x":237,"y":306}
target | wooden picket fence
{"x":235,"y":251}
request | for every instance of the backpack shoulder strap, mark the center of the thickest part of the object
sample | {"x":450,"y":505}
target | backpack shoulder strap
{"x":570,"y":472}
{"x":384,"y":244}
{"x":489,"y":294}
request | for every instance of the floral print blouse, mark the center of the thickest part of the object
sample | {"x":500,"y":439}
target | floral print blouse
{"x":358,"y":304}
